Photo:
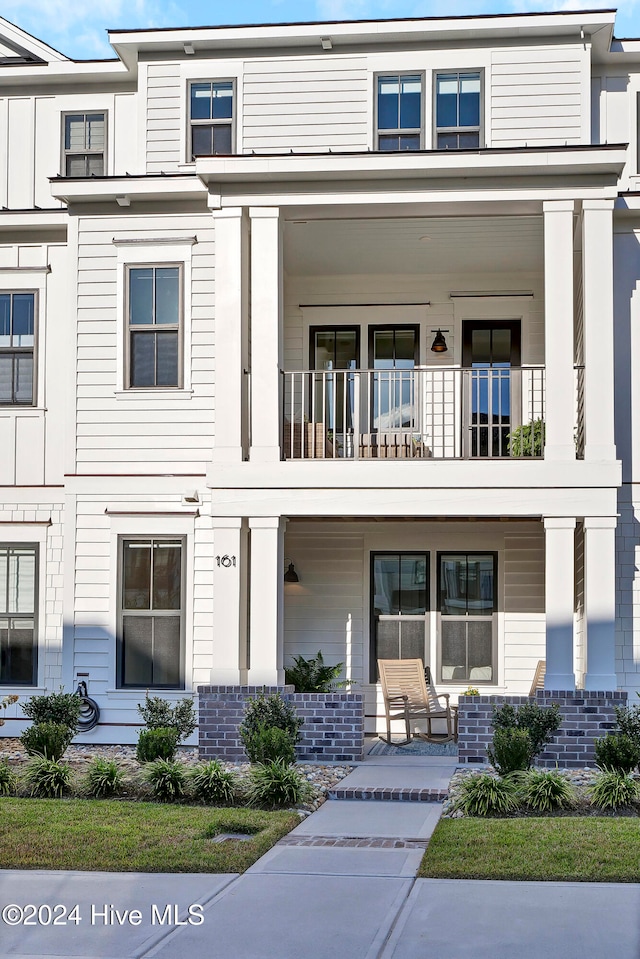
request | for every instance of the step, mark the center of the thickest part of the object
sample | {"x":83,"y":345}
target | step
{"x":388,"y":794}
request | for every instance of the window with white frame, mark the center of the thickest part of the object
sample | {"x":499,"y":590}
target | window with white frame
{"x":17,"y":346}
{"x":211,"y":117}
{"x":154,"y":315}
{"x":84,"y":144}
{"x":467,"y":601}
{"x":18,"y":617}
{"x":151,"y":646}
{"x":458,"y":111}
{"x":399,"y":112}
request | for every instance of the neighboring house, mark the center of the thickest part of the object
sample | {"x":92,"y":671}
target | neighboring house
{"x":346,"y":296}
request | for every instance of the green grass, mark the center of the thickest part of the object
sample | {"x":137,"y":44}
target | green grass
{"x":573,"y":848}
{"x":122,"y":836}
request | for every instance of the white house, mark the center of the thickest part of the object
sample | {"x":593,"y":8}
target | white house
{"x":338,"y":300}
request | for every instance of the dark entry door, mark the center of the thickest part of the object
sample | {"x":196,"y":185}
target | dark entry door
{"x":491,"y":358}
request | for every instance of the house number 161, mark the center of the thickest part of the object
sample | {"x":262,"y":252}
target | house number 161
{"x":226,"y":561}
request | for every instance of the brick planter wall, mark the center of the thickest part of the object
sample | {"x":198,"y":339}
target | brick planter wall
{"x":332,"y":729}
{"x":586,"y":716}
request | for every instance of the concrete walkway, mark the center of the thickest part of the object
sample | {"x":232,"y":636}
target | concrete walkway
{"x":340,"y":886}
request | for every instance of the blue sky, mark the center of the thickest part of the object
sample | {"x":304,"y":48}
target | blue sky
{"x":79,"y":29}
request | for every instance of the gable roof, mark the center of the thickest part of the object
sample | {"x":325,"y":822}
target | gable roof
{"x":17,"y":47}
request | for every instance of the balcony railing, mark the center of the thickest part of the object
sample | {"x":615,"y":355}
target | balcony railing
{"x":438,"y":413}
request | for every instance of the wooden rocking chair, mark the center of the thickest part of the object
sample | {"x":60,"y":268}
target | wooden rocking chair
{"x":407,"y":697}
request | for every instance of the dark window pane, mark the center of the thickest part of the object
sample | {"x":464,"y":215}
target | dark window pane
{"x":389,"y":143}
{"x":136,"y":593}
{"x":95,"y":131}
{"x":166,"y":650}
{"x":388,"y":639}
{"x":469,"y":100}
{"x":6,"y":377}
{"x":383,"y":349}
{"x":137,"y":650}
{"x":479,"y":639}
{"x":222,"y":101}
{"x":166,"y":575}
{"x":325,"y":350}
{"x":453,"y":585}
{"x":76,"y":166}
{"x":167,"y":295}
{"x":405,"y":349}
{"x":447,"y":141}
{"x":412,"y":639}
{"x":410,"y":103}
{"x":410,"y":142}
{"x":222,"y":138}
{"x":202,"y":141}
{"x":413,"y":585}
{"x":5,"y":319}
{"x":200,"y":101}
{"x":388,"y":105}
{"x":95,"y":164}
{"x":23,"y":372}
{"x":141,"y":296}
{"x":468,"y":141}
{"x":480,"y":346}
{"x":447,"y":100}
{"x":23,"y":319}
{"x":167,"y":359}
{"x":386,"y":598}
{"x":501,"y":346}
{"x":143,"y":359}
{"x":21,"y":652}
{"x":346,"y":346}
{"x":74,"y":135}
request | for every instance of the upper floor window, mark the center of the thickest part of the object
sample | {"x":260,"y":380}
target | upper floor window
{"x":211,"y":116}
{"x":17,"y":342}
{"x":154,"y":326}
{"x":399,"y":112}
{"x":18,"y":605}
{"x":457,"y":111}
{"x":84,"y":144}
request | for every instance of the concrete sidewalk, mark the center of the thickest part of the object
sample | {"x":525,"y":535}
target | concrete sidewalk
{"x":340,"y":886}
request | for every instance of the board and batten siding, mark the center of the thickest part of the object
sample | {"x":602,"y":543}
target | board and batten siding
{"x":305,"y":104}
{"x":524,"y":609}
{"x":117,"y":432}
{"x":540,"y":96}
{"x":164,"y":105}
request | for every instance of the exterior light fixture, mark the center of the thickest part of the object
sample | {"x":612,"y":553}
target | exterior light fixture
{"x":291,"y":576}
{"x":439,"y":344}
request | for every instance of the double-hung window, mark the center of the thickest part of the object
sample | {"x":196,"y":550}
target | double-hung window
{"x":399,"y":112}
{"x":17,"y":342}
{"x":18,"y":605}
{"x":457,"y":111}
{"x":84,"y":144}
{"x":211,"y":117}
{"x":154,"y":301}
{"x":467,"y":599}
{"x":151,"y":629}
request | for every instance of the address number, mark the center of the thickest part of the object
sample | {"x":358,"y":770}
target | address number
{"x":226,"y":561}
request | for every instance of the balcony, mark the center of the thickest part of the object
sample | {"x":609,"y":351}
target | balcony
{"x":445,"y":413}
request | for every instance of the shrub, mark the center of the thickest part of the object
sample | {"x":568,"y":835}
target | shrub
{"x":7,"y":779}
{"x":7,"y":701}
{"x":617,"y":752}
{"x":167,"y":779}
{"x":313,"y":675}
{"x":545,"y":789}
{"x":47,"y":739}
{"x":611,"y":790}
{"x":276,"y":784}
{"x":511,"y":750}
{"x":269,"y":743}
{"x":159,"y":714}
{"x":268,"y":712}
{"x":62,"y":708}
{"x":212,"y":783}
{"x":156,"y":744}
{"x":486,"y":795}
{"x":47,"y":778}
{"x":528,"y":439}
{"x":103,"y":778}
{"x":540,"y":722}
{"x":628,"y":718}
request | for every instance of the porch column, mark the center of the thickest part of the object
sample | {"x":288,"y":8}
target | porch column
{"x":597,"y":278}
{"x":558,"y":330}
{"x":559,"y":588}
{"x":600,"y":601}
{"x":266,"y":333}
{"x":230,"y":602}
{"x":231,"y":300}
{"x":266,"y":604}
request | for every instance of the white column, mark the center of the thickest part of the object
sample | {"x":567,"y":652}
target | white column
{"x":266,"y":604}
{"x":559,"y":592}
{"x":600,"y":601}
{"x":597,"y":278}
{"x":229,"y":599}
{"x":266,"y":333}
{"x":231,"y":307}
{"x":558,"y":330}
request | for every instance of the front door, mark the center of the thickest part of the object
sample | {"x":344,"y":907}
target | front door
{"x":490,"y":357}
{"x":393,"y":355}
{"x":399,"y":607}
{"x":334,"y":353}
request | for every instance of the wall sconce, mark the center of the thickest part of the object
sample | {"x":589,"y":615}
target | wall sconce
{"x":439,"y":344}
{"x":291,"y":576}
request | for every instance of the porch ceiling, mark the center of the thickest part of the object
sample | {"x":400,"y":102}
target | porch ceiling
{"x":420,"y":245}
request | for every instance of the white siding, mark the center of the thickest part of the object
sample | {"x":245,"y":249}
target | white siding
{"x":524,"y":618}
{"x":164,"y":105}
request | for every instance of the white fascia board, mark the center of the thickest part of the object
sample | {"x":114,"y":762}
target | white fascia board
{"x":66,"y":71}
{"x":33,"y":219}
{"x":144,"y":188}
{"x":29,"y":42}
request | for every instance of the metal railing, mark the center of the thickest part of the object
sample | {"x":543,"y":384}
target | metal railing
{"x":427,"y":413}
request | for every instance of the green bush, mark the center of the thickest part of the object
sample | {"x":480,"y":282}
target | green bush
{"x":539,"y":722}
{"x":528,"y":439}
{"x":103,"y":778}
{"x":212,"y":783}
{"x":543,"y":790}
{"x":268,"y":712}
{"x":486,"y":795}
{"x":628,"y":718}
{"x":617,"y":752}
{"x":168,"y":780}
{"x":47,"y":739}
{"x":156,"y":744}
{"x":511,"y":750}
{"x":313,"y":675}
{"x":7,"y":779}
{"x":47,"y":778}
{"x":269,"y":743}
{"x":276,"y":784}
{"x":159,"y":714}
{"x":613,"y":790}
{"x":61,"y":708}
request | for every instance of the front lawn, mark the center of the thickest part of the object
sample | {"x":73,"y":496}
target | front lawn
{"x":124,"y":836}
{"x":575,"y":848}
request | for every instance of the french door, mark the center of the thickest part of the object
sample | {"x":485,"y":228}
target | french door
{"x":492,"y":388}
{"x":393,"y":355}
{"x":399,"y":607}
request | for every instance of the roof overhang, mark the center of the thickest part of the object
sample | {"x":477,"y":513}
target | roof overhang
{"x":124,"y":190}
